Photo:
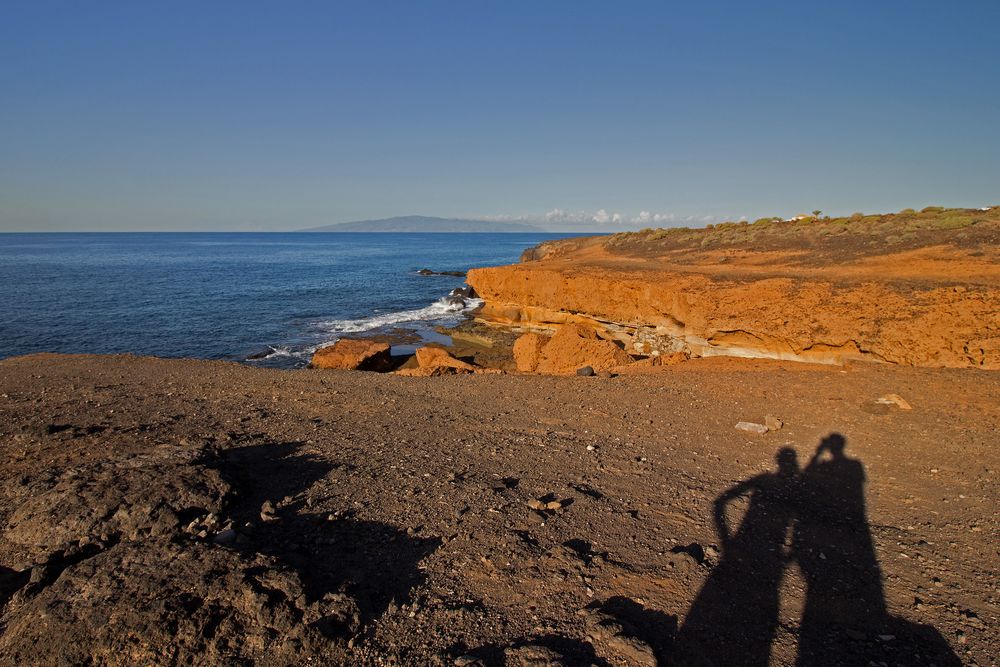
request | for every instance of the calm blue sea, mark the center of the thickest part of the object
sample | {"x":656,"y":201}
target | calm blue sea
{"x":267,"y":299}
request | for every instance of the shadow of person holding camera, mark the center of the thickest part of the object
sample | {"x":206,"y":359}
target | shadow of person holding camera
{"x":735,"y":615}
{"x":845,"y":619}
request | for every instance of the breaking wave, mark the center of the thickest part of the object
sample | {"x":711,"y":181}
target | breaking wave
{"x":442,"y":309}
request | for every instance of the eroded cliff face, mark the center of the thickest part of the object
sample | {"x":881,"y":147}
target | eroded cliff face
{"x":934,"y":306}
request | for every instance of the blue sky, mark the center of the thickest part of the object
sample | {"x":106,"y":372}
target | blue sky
{"x":282,"y":115}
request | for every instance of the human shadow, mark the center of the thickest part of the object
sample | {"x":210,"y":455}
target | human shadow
{"x":845,"y":619}
{"x":374,"y":563}
{"x":734,"y":617}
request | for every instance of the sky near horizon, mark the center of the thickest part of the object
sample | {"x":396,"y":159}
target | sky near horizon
{"x":253,"y":115}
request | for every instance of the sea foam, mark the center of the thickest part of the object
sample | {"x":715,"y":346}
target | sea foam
{"x":442,"y":309}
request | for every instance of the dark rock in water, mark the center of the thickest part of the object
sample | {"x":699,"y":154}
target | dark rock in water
{"x":428,"y":272}
{"x":586,"y":371}
{"x":466,"y":292}
{"x":261,"y":354}
{"x":455,"y":301}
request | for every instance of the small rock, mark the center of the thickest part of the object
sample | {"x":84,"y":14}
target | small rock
{"x":267,"y":507}
{"x":467,"y":661}
{"x":553,"y":505}
{"x":586,"y":371}
{"x":536,"y":504}
{"x":225,"y":537}
{"x":894,"y":399}
{"x":773,"y":423}
{"x":751,"y":427}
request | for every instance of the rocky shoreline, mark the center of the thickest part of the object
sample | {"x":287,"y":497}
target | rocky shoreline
{"x":903,"y":289}
{"x":634,"y":303}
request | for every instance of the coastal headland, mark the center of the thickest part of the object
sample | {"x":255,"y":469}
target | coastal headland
{"x":914,"y":288}
{"x":701,"y":496}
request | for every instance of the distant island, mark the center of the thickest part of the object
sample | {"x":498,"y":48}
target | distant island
{"x":421,"y":223}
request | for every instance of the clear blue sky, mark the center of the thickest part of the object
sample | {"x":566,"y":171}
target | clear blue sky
{"x":282,"y":115}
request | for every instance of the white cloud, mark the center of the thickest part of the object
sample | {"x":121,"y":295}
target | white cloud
{"x":647,"y":218}
{"x":602,"y":218}
{"x":557,"y":215}
{"x":599,"y":217}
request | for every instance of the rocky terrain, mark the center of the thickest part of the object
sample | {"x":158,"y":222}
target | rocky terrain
{"x":203,"y":513}
{"x":914,"y":288}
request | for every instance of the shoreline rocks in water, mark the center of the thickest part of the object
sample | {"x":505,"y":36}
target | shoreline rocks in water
{"x":428,"y":272}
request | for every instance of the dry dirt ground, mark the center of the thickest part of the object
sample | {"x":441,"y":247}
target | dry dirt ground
{"x":186,"y":512}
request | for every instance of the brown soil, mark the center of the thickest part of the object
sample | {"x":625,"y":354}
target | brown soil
{"x":184,"y":512}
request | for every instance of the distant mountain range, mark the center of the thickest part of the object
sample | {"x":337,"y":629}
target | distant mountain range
{"x":422,"y":223}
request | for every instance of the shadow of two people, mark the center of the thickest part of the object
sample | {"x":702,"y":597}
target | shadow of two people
{"x":735,"y":616}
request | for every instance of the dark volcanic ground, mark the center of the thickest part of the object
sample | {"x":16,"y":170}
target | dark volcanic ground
{"x":184,"y":512}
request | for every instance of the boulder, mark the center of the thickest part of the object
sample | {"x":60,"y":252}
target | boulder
{"x":353,"y":354}
{"x":435,"y":361}
{"x":574,"y":346}
{"x":466,"y":292}
{"x":651,"y":364}
{"x":528,"y":351}
{"x":438,"y":359}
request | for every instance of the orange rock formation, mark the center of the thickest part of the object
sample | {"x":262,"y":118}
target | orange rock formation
{"x":572,"y":347}
{"x":351,"y":354}
{"x":434,"y":361}
{"x":821,"y":298}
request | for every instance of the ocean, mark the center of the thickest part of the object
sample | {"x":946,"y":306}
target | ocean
{"x":267,"y":299}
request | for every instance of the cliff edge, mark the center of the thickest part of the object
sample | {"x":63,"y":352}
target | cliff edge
{"x":913,"y":288}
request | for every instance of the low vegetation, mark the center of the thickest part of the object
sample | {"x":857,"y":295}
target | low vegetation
{"x":901,"y":228}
